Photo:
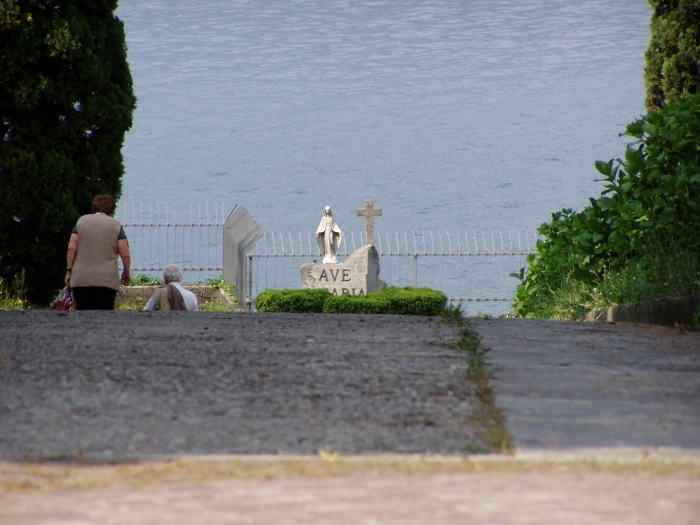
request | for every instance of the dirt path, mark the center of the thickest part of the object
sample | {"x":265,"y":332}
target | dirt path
{"x":542,"y":498}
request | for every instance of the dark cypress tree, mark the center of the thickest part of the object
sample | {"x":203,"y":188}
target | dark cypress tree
{"x":673,"y":57}
{"x":66,"y":101}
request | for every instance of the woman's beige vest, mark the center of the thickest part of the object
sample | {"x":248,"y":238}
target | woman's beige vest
{"x":96,"y":259}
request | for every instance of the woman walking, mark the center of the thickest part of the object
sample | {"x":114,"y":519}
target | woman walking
{"x":95,"y":243}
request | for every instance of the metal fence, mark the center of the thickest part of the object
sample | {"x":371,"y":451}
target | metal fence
{"x":163,"y":233}
{"x":469,"y":267}
{"x":241,"y":233}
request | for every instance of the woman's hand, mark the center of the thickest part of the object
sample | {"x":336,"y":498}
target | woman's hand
{"x":67,"y":279}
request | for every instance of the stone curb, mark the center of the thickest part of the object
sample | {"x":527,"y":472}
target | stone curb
{"x":664,"y":312}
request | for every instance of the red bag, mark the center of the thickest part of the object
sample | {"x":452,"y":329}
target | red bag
{"x":64,"y":300}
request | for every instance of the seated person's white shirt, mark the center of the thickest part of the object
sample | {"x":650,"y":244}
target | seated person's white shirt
{"x":189,"y":298}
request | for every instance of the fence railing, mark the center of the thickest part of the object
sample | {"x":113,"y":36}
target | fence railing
{"x":471,"y":266}
{"x":163,"y":233}
{"x":468,"y":266}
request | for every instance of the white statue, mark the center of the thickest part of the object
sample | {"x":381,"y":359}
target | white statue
{"x":328,"y":236}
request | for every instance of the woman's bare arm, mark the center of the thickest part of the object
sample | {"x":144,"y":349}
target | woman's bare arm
{"x":123,"y":249}
{"x":70,"y":257}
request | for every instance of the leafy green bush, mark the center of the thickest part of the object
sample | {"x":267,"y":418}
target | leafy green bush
{"x":355,"y":304}
{"x":221,"y":283}
{"x":398,"y":301}
{"x":290,"y":300}
{"x":412,"y":301}
{"x":648,"y":215}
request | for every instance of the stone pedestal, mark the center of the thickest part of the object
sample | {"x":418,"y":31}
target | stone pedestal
{"x":358,"y":275}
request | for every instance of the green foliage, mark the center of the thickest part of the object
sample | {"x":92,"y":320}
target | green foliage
{"x":290,"y":300}
{"x":412,"y":301}
{"x":453,"y":314}
{"x":676,"y":275}
{"x":217,"y":305}
{"x":12,"y":294}
{"x":141,"y":279}
{"x":648,"y":212}
{"x":135,"y":303}
{"x":221,"y":283}
{"x":673,"y":56}
{"x":355,"y":304}
{"x":66,"y":101}
{"x":397,"y":301}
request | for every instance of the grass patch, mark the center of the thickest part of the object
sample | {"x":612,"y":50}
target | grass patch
{"x":222,"y":284}
{"x":493,"y":436}
{"x":674,"y":277}
{"x":12,"y":293}
{"x":217,"y":305}
{"x":132,"y":304}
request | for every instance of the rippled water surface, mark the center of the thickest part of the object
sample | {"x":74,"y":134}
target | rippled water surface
{"x":449,"y":114}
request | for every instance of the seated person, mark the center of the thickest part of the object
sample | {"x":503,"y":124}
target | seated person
{"x":172,"y":296}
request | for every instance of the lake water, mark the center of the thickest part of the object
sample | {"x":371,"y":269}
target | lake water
{"x":451,"y":115}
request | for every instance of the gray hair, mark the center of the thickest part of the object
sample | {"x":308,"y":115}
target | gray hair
{"x":172,"y":273}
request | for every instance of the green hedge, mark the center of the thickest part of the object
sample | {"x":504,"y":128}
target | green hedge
{"x":412,"y":301}
{"x":289,"y":300}
{"x":397,"y":301}
{"x":355,"y":304}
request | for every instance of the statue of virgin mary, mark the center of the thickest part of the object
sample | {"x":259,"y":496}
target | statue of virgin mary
{"x":328,"y":236}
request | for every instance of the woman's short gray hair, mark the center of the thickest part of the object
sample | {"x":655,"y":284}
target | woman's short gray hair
{"x":172,"y":273}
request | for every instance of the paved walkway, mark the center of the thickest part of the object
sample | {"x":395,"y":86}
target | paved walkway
{"x":121,"y":385}
{"x":567,"y":385}
{"x":572,"y":391}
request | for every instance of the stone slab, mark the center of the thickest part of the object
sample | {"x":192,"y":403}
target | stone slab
{"x":357,"y":275}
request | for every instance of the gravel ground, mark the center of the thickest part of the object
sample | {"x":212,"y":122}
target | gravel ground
{"x":129,"y":384}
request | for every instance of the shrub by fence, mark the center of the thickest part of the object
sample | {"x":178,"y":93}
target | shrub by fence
{"x":390,"y":300}
{"x":294,"y":301}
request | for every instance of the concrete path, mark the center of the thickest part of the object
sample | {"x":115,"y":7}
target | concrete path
{"x":624,"y":395}
{"x":569,"y":385}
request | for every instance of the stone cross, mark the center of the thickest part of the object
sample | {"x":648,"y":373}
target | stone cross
{"x":369,"y":213}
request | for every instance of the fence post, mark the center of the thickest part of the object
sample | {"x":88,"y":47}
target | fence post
{"x":249,"y":300}
{"x":415,"y":270}
{"x":241,"y":233}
